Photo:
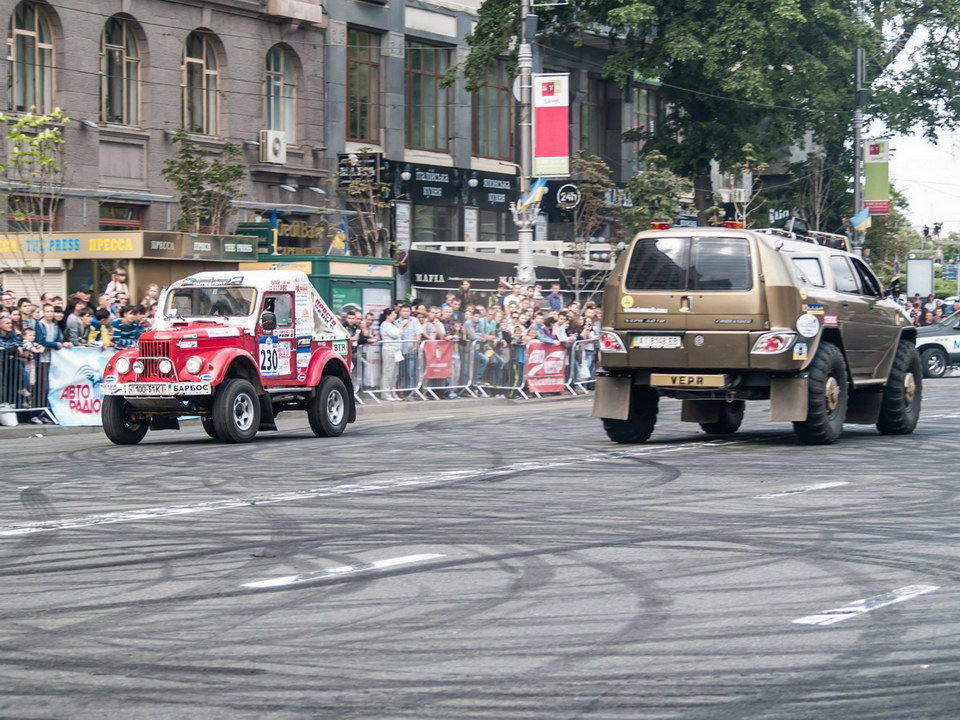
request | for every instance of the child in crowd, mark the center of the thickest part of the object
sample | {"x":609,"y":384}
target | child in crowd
{"x":126,"y":329}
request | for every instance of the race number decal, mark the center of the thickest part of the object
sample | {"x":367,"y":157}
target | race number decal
{"x":274,"y":357}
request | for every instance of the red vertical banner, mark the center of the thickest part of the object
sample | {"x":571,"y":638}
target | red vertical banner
{"x":551,"y":125}
{"x":546,"y":367}
{"x":437,"y":359}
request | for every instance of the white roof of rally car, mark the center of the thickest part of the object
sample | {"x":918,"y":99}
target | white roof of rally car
{"x":260,"y":279}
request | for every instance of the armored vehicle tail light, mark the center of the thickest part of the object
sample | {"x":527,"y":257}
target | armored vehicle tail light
{"x":773,"y":343}
{"x":193,"y":364}
{"x":138,"y":366}
{"x":610,"y":342}
{"x":123,"y":366}
{"x":659,"y":226}
{"x":733,"y":225}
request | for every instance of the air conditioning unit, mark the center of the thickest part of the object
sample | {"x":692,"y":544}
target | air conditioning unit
{"x":273,"y":147}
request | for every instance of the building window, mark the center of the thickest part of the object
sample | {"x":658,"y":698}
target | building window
{"x":493,"y":116}
{"x":30,"y":59}
{"x":593,"y":125}
{"x":427,"y":102}
{"x":31,"y":213}
{"x":363,"y":86}
{"x":497,"y":226}
{"x":121,"y":217}
{"x":644,"y":113}
{"x":201,"y":80}
{"x":281,"y":92}
{"x":119,"y":74}
{"x":433,"y":223}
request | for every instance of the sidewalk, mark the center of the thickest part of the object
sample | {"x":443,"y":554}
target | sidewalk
{"x":364,"y":412}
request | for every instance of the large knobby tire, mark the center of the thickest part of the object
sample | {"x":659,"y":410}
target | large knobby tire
{"x":236,"y":411}
{"x":117,"y":425}
{"x":731,"y":416}
{"x":900,"y":407}
{"x":329,"y":409}
{"x":934,"y":362}
{"x":827,"y":397}
{"x":208,"y":428}
{"x":638,"y":427}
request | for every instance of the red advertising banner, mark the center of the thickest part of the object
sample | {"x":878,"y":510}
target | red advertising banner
{"x":551,"y":125}
{"x":437,"y":360}
{"x":546,"y":367}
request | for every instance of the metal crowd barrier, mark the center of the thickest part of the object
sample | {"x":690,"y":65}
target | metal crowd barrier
{"x":23,"y":385}
{"x":582,"y":366}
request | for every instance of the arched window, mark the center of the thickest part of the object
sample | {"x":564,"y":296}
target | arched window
{"x":281,"y":92}
{"x":30,"y":59}
{"x":119,"y":73}
{"x":201,"y":81}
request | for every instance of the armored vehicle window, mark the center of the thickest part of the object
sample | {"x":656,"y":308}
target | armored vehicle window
{"x":809,"y":271}
{"x":868,"y":281}
{"x":658,"y":264}
{"x":843,"y":275}
{"x":720,"y":264}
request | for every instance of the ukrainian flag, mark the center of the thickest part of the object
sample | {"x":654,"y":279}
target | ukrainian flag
{"x":861,"y":221}
{"x":535,"y":195}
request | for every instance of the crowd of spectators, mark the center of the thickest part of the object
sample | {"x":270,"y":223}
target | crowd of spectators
{"x":32,"y":330}
{"x":490,"y":333}
{"x":928,"y":312}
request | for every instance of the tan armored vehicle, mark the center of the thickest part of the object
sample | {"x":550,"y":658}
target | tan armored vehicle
{"x":716,"y":317}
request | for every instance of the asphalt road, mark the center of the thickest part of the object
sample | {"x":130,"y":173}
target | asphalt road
{"x":490,"y":562}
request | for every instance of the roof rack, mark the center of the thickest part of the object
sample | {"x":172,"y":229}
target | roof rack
{"x":833,"y":240}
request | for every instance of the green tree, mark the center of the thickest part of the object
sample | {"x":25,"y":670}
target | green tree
{"x":657,"y":194}
{"x":367,"y":199}
{"x":207,"y":185}
{"x":33,"y":172}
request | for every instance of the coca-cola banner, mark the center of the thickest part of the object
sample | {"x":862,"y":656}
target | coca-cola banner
{"x":437,"y":359}
{"x":546,"y":367}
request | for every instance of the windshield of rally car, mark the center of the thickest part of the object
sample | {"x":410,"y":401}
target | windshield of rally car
{"x":230,"y":301}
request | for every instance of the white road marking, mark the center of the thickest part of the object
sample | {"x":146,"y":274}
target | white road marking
{"x":858,"y":607}
{"x":156,"y":513}
{"x":342,"y":570}
{"x":797,"y":491}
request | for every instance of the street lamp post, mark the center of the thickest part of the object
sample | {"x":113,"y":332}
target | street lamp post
{"x":525,"y":217}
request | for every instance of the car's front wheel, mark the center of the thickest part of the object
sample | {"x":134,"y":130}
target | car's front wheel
{"x":827,"y":397}
{"x":236,"y":411}
{"x":117,"y":423}
{"x":329,"y":409}
{"x":934,"y":362}
{"x":900,"y":407}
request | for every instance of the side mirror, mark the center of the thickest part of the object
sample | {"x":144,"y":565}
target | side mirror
{"x":268,"y":321}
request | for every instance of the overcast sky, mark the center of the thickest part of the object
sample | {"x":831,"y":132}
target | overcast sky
{"x":929,"y":175}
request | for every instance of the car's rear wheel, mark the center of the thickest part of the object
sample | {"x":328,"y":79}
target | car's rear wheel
{"x":827,"y":397}
{"x":638,"y":427}
{"x":329,"y":409}
{"x":934,"y":362}
{"x":117,"y":424}
{"x":731,"y":416}
{"x":900,"y":407}
{"x":236,"y":411}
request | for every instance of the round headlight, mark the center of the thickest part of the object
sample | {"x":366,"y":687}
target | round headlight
{"x":138,"y":366}
{"x":165,"y":367}
{"x":123,"y":365}
{"x":194,"y":364}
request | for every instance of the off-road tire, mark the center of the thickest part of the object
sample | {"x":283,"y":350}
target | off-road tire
{"x":638,"y":427}
{"x":329,"y":408}
{"x":827,"y":396}
{"x":934,"y":362}
{"x":236,"y":411}
{"x":117,"y":425}
{"x":900,"y":407}
{"x":208,"y":428}
{"x":731,"y":416}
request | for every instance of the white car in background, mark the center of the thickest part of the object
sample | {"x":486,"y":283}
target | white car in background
{"x":939,"y":346}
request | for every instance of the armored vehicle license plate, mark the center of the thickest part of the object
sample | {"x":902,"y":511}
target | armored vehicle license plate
{"x":656,"y":342}
{"x":691,"y":381}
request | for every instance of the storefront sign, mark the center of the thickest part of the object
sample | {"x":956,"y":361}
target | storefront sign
{"x":551,"y":124}
{"x":77,"y":246}
{"x":402,"y":229}
{"x":359,"y":269}
{"x":186,"y":246}
{"x":299,"y":229}
{"x":358,"y":168}
{"x":494,"y":191}
{"x":431,"y":185}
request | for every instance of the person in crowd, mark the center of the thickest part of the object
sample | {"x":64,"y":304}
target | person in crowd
{"x":546,"y":334}
{"x":938,"y":315}
{"x":153,"y":295}
{"x":927,"y":318}
{"x":11,"y":370}
{"x":50,"y":337}
{"x":555,"y":299}
{"x":118,"y":283}
{"x":501,"y":295}
{"x":371,"y":325}
{"x":101,"y":332}
{"x":463,"y":292}
{"x":931,"y":303}
{"x":120,"y":301}
{"x":455,"y":308}
{"x":71,"y":324}
{"x":126,"y":329}
{"x":389,"y":353}
{"x":27,"y":311}
{"x":411,"y":334}
{"x":79,"y":333}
